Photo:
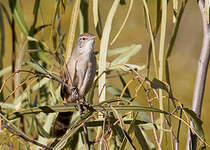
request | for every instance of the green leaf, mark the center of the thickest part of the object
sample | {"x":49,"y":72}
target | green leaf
{"x":36,"y":67}
{"x":35,"y":13}
{"x":123,"y":24}
{"x":124,"y":85}
{"x":118,"y":116}
{"x":95,"y":13}
{"x":7,"y":106}
{"x":157,"y":84}
{"x":73,"y":130}
{"x":99,"y":122}
{"x":2,"y":47}
{"x":34,"y":88}
{"x":124,"y":67}
{"x":125,"y":54}
{"x":45,"y":130}
{"x":5,"y":71}
{"x":119,"y":131}
{"x":116,"y":92}
{"x":124,"y":57}
{"x":152,"y":38}
{"x":2,"y":37}
{"x":97,"y":18}
{"x":197,"y":123}
{"x":103,"y":50}
{"x":18,"y":16}
{"x":175,"y":31}
{"x":72,"y":28}
{"x":42,"y":131}
{"x":121,"y":50}
{"x":71,"y":107}
{"x":129,"y":132}
{"x":39,"y":28}
{"x":140,"y":138}
{"x":6,"y":14}
{"x":84,"y":13}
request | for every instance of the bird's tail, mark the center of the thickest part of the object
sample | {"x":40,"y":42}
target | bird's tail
{"x":61,"y":124}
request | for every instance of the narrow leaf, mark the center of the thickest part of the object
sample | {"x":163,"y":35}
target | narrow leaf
{"x":151,"y":34}
{"x":36,"y":67}
{"x":140,"y":138}
{"x":157,"y":84}
{"x":72,"y":29}
{"x":18,"y":15}
{"x":71,"y":108}
{"x":196,"y":122}
{"x":34,"y":88}
{"x":103,"y":50}
{"x":124,"y":57}
{"x":123,"y":24}
{"x":95,"y":12}
{"x":46,"y":127}
{"x":5,"y":70}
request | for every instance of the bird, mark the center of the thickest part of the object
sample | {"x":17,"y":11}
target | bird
{"x":79,"y":73}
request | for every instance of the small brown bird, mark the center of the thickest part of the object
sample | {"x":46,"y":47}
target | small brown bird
{"x":80,"y":72}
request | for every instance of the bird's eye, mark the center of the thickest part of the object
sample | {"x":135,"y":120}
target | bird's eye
{"x":83,"y":38}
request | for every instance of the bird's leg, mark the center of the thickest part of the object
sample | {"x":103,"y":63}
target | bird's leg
{"x":87,"y":105}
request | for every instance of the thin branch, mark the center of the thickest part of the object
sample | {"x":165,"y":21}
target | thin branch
{"x":13,"y":51}
{"x":152,"y":119}
{"x":176,"y":141}
{"x":141,"y":80}
{"x":13,"y":131}
{"x":179,"y":126}
{"x":81,"y":111}
{"x":201,"y":74}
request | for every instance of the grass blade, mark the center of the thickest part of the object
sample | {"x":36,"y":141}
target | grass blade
{"x":103,"y":50}
{"x":18,"y":16}
{"x":151,"y":34}
{"x":72,"y":29}
{"x":140,"y":138}
{"x":123,"y":24}
{"x":35,"y":13}
{"x":71,"y":107}
{"x":95,"y":12}
{"x":34,"y":88}
{"x":5,"y":70}
{"x":84,"y":15}
{"x":7,"y":106}
{"x":2,"y":47}
{"x":73,"y":130}
{"x":46,"y":127}
{"x":124,"y":57}
{"x":161,"y":61}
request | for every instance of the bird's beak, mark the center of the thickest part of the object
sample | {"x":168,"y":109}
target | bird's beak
{"x":93,"y":37}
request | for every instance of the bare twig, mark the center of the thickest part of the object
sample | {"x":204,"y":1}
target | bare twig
{"x":152,"y":119}
{"x":176,"y":141}
{"x":48,"y":75}
{"x":142,"y":79}
{"x":13,"y":131}
{"x":75,"y":95}
{"x":179,"y":128}
{"x":201,"y":74}
{"x":81,"y":111}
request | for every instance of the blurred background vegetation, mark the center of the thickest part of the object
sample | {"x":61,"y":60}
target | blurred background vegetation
{"x":183,"y":60}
